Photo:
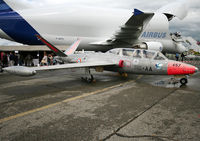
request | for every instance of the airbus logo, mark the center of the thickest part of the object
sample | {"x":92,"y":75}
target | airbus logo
{"x":159,"y":35}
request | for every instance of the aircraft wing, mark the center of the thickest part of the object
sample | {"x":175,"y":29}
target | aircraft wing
{"x":28,"y":71}
{"x":74,"y":65}
{"x":130,"y":31}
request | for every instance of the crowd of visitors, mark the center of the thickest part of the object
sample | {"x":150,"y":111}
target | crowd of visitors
{"x":17,"y":59}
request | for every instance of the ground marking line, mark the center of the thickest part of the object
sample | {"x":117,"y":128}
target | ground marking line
{"x":64,"y":101}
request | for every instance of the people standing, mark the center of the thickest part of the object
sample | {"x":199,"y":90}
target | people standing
{"x":21,"y":59}
{"x":50,"y":59}
{"x":11,"y":59}
{"x":182,"y":56}
{"x":16,"y":59}
{"x":1,"y":58}
{"x":4,"y":60}
{"x":177,"y":56}
{"x":44,"y":60}
{"x":29,"y":60}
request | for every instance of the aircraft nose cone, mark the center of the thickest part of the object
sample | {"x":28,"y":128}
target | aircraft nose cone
{"x":196,"y":69}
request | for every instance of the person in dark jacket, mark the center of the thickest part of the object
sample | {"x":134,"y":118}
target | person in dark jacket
{"x":177,"y":56}
{"x":182,"y":56}
{"x":12,"y":59}
{"x":5,"y":60}
{"x":16,"y":59}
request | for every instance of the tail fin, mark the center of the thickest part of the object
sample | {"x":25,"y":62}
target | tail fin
{"x":58,"y":52}
{"x":51,"y":47}
{"x":73,"y":47}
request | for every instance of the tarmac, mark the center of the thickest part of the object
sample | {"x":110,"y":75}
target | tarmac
{"x":58,"y":105}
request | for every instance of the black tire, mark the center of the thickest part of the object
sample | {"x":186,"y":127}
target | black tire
{"x":88,"y":80}
{"x":183,"y":81}
{"x":91,"y":79}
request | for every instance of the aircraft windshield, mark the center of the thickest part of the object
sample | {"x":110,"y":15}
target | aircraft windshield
{"x":137,"y":54}
{"x":148,"y":54}
{"x":128,"y":52}
{"x":159,"y":56}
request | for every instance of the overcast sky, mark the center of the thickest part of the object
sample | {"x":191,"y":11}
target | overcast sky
{"x":189,"y":26}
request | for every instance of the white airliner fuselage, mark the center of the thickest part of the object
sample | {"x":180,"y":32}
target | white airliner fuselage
{"x":61,"y":25}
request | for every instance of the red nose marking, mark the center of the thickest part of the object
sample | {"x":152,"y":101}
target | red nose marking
{"x":177,"y":68}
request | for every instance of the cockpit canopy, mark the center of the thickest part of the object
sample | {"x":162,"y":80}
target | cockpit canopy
{"x":138,"y":53}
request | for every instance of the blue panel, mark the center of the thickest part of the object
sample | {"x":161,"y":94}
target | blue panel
{"x":16,"y":27}
{"x":4,"y":7}
{"x":137,"y":12}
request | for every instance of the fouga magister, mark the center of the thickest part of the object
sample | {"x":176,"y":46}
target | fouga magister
{"x":122,"y":60}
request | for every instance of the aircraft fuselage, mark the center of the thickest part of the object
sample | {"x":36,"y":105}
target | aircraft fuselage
{"x":61,"y":26}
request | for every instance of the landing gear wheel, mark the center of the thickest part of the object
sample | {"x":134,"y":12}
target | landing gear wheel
{"x":183,"y":81}
{"x":88,"y":76}
{"x":88,"y":79}
{"x":91,"y":79}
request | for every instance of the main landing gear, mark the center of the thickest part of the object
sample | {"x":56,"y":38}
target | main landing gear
{"x":88,"y":76}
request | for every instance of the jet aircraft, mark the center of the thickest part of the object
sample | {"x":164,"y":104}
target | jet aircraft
{"x":122,"y":60}
{"x":100,"y":29}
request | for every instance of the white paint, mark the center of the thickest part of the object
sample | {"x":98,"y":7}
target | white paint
{"x":4,"y":35}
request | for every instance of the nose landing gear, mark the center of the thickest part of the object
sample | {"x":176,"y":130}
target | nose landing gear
{"x":183,"y":81}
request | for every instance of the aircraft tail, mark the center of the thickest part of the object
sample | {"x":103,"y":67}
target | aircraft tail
{"x":73,"y":47}
{"x":58,"y":52}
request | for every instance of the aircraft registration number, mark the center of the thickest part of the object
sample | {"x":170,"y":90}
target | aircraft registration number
{"x":176,"y":65}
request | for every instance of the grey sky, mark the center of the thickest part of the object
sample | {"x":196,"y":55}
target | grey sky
{"x":188,"y":26}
